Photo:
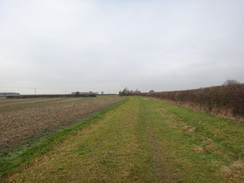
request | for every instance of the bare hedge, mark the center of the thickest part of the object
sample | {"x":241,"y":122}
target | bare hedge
{"x":225,"y":100}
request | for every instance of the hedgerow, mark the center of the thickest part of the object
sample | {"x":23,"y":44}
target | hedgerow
{"x":225,"y":100}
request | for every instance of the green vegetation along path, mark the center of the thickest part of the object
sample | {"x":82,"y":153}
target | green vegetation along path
{"x":144,"y":140}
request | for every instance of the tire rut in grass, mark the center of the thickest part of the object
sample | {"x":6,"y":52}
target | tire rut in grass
{"x":163,"y":172}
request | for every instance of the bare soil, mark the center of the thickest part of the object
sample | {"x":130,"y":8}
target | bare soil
{"x":25,"y":119}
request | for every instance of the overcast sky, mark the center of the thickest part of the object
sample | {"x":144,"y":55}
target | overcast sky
{"x":59,"y":46}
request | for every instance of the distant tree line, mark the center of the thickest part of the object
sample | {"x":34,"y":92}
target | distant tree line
{"x":127,"y":92}
{"x":83,"y":93}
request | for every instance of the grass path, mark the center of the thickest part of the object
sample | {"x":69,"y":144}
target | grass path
{"x":144,"y":140}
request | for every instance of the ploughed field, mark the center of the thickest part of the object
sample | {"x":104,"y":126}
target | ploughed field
{"x":23,"y":120}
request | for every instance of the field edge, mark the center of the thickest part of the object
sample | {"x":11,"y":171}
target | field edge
{"x":23,"y":156}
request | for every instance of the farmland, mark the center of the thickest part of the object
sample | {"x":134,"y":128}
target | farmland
{"x":140,"y":140}
{"x":23,"y":120}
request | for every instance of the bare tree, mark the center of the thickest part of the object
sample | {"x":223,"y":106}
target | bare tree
{"x":231,"y":82}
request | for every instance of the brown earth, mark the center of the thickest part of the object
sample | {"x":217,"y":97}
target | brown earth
{"x":23,"y":119}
